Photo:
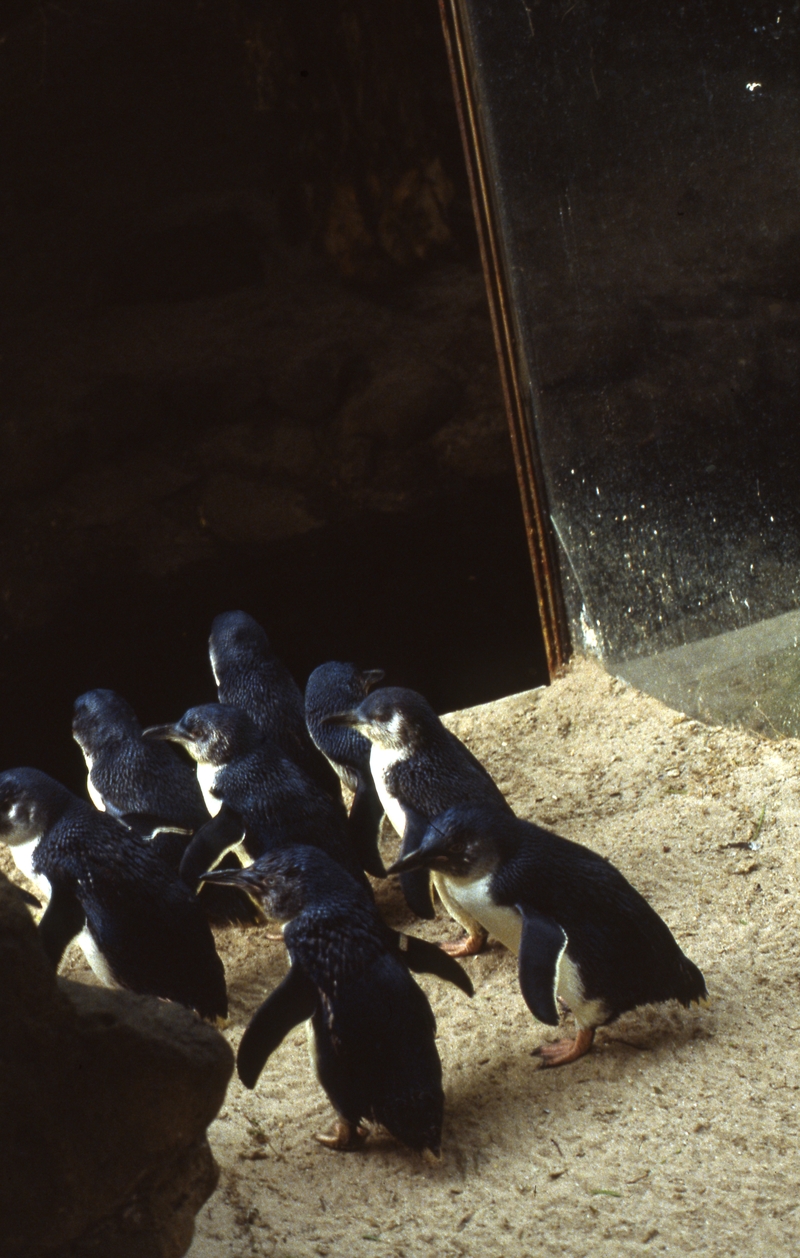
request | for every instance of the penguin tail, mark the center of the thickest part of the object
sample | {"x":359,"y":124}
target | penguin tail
{"x":416,"y":1121}
{"x":692,"y":990}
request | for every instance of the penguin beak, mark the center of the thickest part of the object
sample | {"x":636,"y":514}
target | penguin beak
{"x":229,"y":878}
{"x":165,"y":733}
{"x":421,"y":859}
{"x":242,"y":879}
{"x":352,"y":719}
{"x":239,"y":878}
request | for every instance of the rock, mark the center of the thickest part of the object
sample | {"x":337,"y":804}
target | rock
{"x":404,"y":404}
{"x":187,"y":261}
{"x":244,"y":511}
{"x":308,"y":385}
{"x":105,"y":1098}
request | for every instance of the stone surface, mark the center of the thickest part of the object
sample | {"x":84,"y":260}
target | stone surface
{"x":105,"y":1098}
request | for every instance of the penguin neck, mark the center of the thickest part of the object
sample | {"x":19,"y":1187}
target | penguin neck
{"x":206,"y":777}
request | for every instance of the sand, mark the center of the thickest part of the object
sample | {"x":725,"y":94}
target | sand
{"x":677,"y":1133}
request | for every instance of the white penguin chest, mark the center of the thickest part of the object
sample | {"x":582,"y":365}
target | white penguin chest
{"x":505,"y":924}
{"x":206,"y":777}
{"x":474,"y":898}
{"x":381,"y":761}
{"x":23,"y":859}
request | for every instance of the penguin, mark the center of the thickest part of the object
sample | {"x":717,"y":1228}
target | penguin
{"x":250,"y":676}
{"x":333,"y":688}
{"x":138,"y":925}
{"x":136,"y":780}
{"x":420,"y":769}
{"x":373,"y":1029}
{"x":148,"y":786}
{"x":259,"y":798}
{"x":584,"y":936}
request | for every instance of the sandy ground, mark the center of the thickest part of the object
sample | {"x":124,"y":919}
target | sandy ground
{"x":677,"y":1133}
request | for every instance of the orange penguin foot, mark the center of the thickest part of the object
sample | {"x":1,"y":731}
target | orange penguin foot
{"x":469,"y":946}
{"x":345,"y":1136}
{"x":562,"y":1051}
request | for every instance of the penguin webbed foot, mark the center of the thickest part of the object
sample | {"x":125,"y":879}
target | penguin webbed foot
{"x":468,"y":946}
{"x":346,"y":1136}
{"x":560,"y":1052}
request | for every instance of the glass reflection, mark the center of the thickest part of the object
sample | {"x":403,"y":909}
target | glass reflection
{"x":645,"y":172}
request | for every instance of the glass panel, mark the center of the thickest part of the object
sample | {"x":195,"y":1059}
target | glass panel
{"x":645,"y":169}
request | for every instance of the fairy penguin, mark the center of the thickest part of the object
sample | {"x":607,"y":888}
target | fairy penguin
{"x":261,"y":798}
{"x":582,"y":933}
{"x":373,"y":1027}
{"x":337,"y":687}
{"x":137,"y":923}
{"x":250,"y":676}
{"x":420,"y":768}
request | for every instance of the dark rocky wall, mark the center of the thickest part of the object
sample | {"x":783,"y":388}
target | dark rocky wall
{"x":246,"y":358}
{"x":105,"y":1098}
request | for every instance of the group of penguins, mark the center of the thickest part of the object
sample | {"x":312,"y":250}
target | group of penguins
{"x":260,"y":833}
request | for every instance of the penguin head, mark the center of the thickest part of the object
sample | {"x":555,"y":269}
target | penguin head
{"x":235,"y":641}
{"x":30,"y":803}
{"x":458,"y":842}
{"x":333,"y":686}
{"x":213,"y":733}
{"x":102,"y":716}
{"x":393,"y":718}
{"x":287,"y":881}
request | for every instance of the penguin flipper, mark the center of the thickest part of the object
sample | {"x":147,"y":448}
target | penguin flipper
{"x":169,"y":846}
{"x":416,"y":884}
{"x":146,"y":824}
{"x":293,"y":1001}
{"x":426,"y":958}
{"x":366,"y":811}
{"x":212,"y":840}
{"x":541,"y":947}
{"x":63,"y":919}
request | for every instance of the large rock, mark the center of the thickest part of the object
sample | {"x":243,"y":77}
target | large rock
{"x":105,"y":1098}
